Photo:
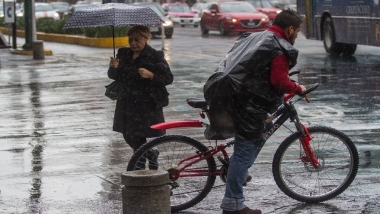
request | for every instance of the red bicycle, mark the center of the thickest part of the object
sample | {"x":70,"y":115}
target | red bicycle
{"x":311,"y":165}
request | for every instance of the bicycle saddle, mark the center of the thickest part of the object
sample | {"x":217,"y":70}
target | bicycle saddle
{"x":197,"y":102}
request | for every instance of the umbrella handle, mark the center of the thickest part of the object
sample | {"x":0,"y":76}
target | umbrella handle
{"x":113,"y":40}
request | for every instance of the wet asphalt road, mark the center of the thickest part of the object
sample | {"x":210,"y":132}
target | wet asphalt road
{"x":59,"y":155}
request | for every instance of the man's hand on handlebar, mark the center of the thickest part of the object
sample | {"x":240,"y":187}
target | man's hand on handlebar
{"x":303,"y":88}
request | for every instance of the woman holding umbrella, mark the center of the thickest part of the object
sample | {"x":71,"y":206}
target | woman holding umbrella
{"x":144,"y":73}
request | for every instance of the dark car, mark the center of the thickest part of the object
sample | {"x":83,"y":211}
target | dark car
{"x":265,"y":6}
{"x":234,"y":16}
{"x":156,"y":30}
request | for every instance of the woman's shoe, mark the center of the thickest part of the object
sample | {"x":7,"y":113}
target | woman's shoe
{"x":140,"y":165}
{"x":246,"y":210}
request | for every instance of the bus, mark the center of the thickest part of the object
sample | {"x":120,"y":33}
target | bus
{"x":341,"y":24}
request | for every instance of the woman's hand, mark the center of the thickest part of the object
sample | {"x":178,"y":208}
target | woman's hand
{"x":114,"y":62}
{"x":144,"y":73}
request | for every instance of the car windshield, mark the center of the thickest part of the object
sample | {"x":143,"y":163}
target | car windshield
{"x":59,"y":6}
{"x":179,"y":8}
{"x":233,"y":7}
{"x":81,"y":7}
{"x":261,"y":3}
{"x":40,"y":8}
{"x":158,"y":11}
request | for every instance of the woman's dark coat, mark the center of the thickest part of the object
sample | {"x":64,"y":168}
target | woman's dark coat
{"x":143,"y":100}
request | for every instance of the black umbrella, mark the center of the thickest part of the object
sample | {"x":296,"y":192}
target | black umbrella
{"x":113,"y":15}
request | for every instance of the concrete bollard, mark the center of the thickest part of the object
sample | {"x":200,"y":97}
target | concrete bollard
{"x":38,"y":49}
{"x":146,"y":191}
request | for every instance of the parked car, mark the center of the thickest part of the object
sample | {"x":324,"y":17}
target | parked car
{"x":235,"y":16}
{"x":42,"y":10}
{"x":284,"y":4}
{"x":73,"y":8}
{"x":199,"y":8}
{"x":1,"y":10}
{"x":265,"y":6}
{"x":60,"y":7}
{"x":181,"y":14}
{"x":168,"y":25}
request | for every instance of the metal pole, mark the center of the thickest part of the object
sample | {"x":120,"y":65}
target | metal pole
{"x":162,"y":36}
{"x":14,"y":29}
{"x":34,"y":30}
{"x":28,"y":19}
{"x":9,"y":33}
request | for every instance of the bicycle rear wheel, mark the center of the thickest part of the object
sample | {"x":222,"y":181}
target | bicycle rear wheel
{"x":337,"y":155}
{"x":172,"y":149}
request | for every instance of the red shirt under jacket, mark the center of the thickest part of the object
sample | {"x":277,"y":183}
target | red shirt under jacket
{"x":280,"y":68}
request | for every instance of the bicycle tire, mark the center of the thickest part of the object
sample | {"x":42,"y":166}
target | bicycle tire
{"x":337,"y":155}
{"x":185,"y":191}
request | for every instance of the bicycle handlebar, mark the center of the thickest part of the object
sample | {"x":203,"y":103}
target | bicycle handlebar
{"x":294,"y":72}
{"x":312,"y":88}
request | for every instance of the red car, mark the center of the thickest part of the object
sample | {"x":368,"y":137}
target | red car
{"x":236,"y":16}
{"x":265,"y":6}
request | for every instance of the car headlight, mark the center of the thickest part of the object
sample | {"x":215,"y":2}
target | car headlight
{"x":56,"y":15}
{"x":1,"y":15}
{"x":279,"y":11}
{"x":168,"y":23}
{"x":264,"y":19}
{"x":231,"y":19}
{"x":20,"y":15}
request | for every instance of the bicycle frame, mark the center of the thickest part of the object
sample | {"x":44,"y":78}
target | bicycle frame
{"x":284,"y":112}
{"x":185,"y":172}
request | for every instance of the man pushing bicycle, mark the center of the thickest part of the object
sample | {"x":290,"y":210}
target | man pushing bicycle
{"x":248,"y":84}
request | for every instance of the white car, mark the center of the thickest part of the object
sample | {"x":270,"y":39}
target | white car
{"x":1,"y":10}
{"x":199,"y":8}
{"x":181,"y":14}
{"x":43,"y":10}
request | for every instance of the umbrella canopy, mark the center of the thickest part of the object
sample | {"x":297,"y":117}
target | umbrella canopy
{"x":113,"y":14}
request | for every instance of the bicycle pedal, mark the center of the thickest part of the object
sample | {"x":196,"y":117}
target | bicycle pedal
{"x":247,"y":179}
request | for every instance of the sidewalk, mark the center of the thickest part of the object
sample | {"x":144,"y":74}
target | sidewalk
{"x":75,"y":39}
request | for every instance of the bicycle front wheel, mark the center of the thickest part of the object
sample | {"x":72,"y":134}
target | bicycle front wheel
{"x":189,"y":183}
{"x":338,"y":158}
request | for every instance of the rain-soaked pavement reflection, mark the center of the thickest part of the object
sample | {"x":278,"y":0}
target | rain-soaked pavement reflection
{"x":37,"y":142}
{"x":59,"y":155}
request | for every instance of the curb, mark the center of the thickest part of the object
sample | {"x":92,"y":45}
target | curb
{"x":74,"y":39}
{"x":29,"y":53}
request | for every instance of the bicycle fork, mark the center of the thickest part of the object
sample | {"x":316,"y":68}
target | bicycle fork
{"x":309,"y":156}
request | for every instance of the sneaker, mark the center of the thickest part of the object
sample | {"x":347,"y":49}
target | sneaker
{"x":152,"y":158}
{"x":141,"y":164}
{"x":246,"y":210}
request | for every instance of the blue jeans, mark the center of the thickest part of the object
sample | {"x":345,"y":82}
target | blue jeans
{"x":245,"y":154}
